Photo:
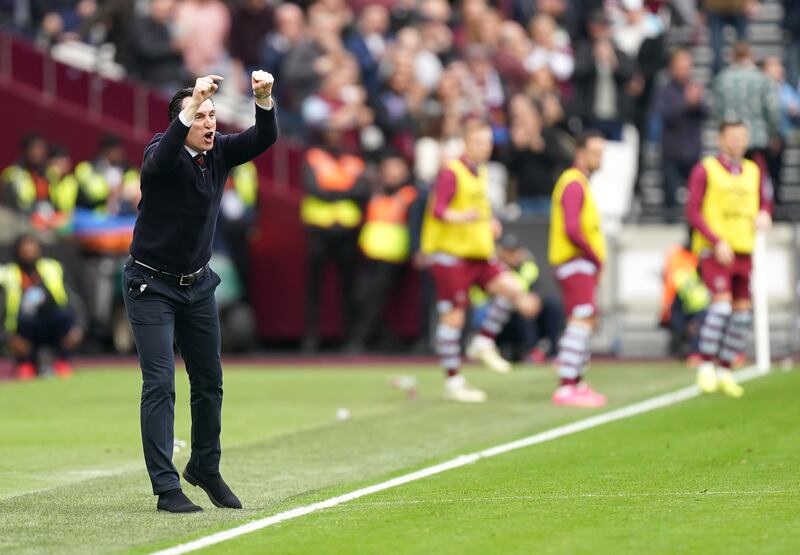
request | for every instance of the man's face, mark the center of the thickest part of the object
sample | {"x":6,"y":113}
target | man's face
{"x":681,"y":67}
{"x":394,"y":172}
{"x":201,"y":134}
{"x":733,"y":141}
{"x":594,"y":153}
{"x":36,"y":153}
{"x":478,"y":144}
{"x":511,"y":257}
{"x":29,"y":251}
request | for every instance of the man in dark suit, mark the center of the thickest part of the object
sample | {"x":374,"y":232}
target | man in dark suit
{"x":169,"y":288}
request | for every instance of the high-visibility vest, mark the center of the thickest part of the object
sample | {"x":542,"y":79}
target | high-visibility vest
{"x":245,"y":181}
{"x":96,"y":188}
{"x":63,"y":190}
{"x":22,"y":184}
{"x":682,"y":280}
{"x":730,"y":206}
{"x":473,"y":240}
{"x":526,"y":275}
{"x":561,"y":247}
{"x":332,"y":174}
{"x":52,"y":276}
{"x":385,"y":234}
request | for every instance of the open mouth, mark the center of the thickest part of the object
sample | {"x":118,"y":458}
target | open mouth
{"x":209,"y":136}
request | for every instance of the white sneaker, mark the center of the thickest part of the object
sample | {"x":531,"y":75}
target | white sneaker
{"x":457,"y":389}
{"x":483,"y":349}
{"x":707,"y":377}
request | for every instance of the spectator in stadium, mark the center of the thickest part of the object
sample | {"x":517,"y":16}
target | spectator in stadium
{"x":536,"y":156}
{"x":368,"y":42}
{"x":721,"y":14}
{"x":109,"y":183}
{"x":60,"y":20}
{"x":729,"y":199}
{"x":308,"y":63}
{"x":791,"y":27}
{"x":789,"y":105}
{"x":602,"y":73}
{"x":62,"y":180}
{"x":577,"y":252}
{"x":551,"y":49}
{"x":157,"y":53}
{"x":37,"y":311}
{"x":398,"y":104}
{"x":385,"y":244}
{"x":743,"y":92}
{"x":340,"y":104}
{"x":251,"y":20}
{"x":522,"y":335}
{"x":511,"y":54}
{"x":458,"y":237}
{"x":202,"y":34}
{"x":335,"y":188}
{"x":684,"y":301}
{"x":683,"y":107}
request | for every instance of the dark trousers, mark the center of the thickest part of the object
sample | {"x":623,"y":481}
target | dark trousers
{"x":523,"y":334}
{"x":159,"y":314}
{"x":717,"y":24}
{"x":374,"y":284}
{"x":341,"y":248}
{"x":676,"y":173}
{"x":684,"y":330}
{"x":45,"y":329}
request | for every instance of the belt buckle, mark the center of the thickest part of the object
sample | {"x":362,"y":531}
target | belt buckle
{"x":180,"y":280}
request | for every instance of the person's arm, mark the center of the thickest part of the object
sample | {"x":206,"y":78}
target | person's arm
{"x":772,"y":108}
{"x":243,"y":147}
{"x":444,"y":190}
{"x":670,"y":104}
{"x":163,"y":155}
{"x":572,"y":202}
{"x":694,"y":203}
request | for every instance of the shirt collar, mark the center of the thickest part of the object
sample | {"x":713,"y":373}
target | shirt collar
{"x":193,"y":152}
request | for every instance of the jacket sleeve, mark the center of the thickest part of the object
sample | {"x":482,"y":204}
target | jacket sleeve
{"x":162,"y":156}
{"x":694,"y":204}
{"x":572,"y":201}
{"x":239,"y":148}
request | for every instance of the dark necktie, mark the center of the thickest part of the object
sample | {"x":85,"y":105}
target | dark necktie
{"x":201,"y":160}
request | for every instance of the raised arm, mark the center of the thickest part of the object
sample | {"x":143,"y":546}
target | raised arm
{"x":161,"y":156}
{"x":242,"y":147}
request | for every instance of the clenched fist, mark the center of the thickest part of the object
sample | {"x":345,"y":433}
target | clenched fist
{"x":204,"y":88}
{"x":262,"y":82}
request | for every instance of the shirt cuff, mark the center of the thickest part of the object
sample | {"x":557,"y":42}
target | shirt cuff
{"x":271,"y":104}
{"x":183,"y":121}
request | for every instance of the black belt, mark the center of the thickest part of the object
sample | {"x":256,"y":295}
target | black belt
{"x":184,"y":280}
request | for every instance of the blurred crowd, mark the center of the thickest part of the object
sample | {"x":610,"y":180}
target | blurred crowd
{"x":371,"y":85}
{"x":405,"y":73}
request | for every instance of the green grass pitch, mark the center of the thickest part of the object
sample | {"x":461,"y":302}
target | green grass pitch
{"x":710,"y":475}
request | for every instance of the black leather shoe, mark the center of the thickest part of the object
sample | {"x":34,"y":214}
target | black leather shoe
{"x":216,"y":488}
{"x":174,"y":501}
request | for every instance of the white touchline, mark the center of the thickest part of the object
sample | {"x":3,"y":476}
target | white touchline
{"x":621,"y":413}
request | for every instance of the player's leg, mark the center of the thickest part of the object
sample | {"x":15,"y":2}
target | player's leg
{"x":738,"y":330}
{"x":712,"y":329}
{"x":151,"y":313}
{"x":574,"y":353}
{"x":198,"y":336}
{"x":507,"y":295}
{"x":451,"y":304}
{"x":316,"y":256}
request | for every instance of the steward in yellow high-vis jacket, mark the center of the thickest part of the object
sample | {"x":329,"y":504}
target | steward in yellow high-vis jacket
{"x":36,"y":310}
{"x":385,"y":244}
{"x":332,"y":213}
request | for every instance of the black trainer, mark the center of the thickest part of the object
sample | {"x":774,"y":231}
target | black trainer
{"x":174,"y":501}
{"x":214,"y":486}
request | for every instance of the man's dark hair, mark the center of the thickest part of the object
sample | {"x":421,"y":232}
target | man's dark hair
{"x":111,"y":141}
{"x":176,"y":104}
{"x":28,"y":139}
{"x":731,"y":122}
{"x":587,"y":136}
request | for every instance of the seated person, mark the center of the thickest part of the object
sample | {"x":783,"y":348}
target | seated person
{"x":37,"y":310}
{"x":523,"y":335}
{"x":684,"y":301}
